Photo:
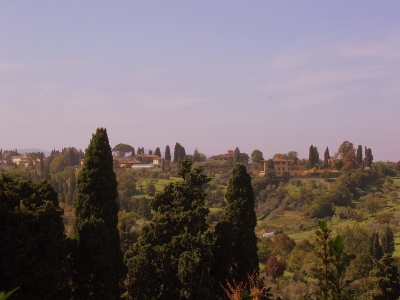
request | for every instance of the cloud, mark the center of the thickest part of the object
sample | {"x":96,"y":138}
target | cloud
{"x":332,"y":71}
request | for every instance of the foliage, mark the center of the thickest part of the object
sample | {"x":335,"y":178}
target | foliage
{"x":345,"y":147}
{"x":257,"y":288}
{"x":368,"y":157}
{"x":275,"y":267}
{"x":34,"y":248}
{"x":157,"y":152}
{"x":335,"y":261}
{"x":123,"y":149}
{"x":257,"y":156}
{"x":172,"y":258}
{"x":240,"y":214}
{"x":359,"y":155}
{"x":126,"y":224}
{"x":326,"y":158}
{"x":167,"y":154}
{"x":386,"y":279}
{"x":387,"y":241}
{"x":5,"y":296}
{"x":179,"y":152}
{"x":98,"y":261}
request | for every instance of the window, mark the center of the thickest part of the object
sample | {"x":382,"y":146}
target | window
{"x":279,"y":168}
{"x":283,"y":163}
{"x":283,"y":169}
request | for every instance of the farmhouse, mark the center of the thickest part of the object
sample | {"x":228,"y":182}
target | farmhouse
{"x":286,"y":167}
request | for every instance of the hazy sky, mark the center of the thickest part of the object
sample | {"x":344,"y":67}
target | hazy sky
{"x":269,"y":75}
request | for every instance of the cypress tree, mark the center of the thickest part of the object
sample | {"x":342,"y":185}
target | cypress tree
{"x":375,"y":249}
{"x":236,"y":156}
{"x":316,"y":156}
{"x":179,"y":152}
{"x":311,"y":157}
{"x":368,"y":157}
{"x":359,"y":155}
{"x":386,"y":279}
{"x":326,"y":158}
{"x":157,"y":152}
{"x":240,"y":214}
{"x":98,"y":261}
{"x":167,"y":154}
{"x":388,"y":241}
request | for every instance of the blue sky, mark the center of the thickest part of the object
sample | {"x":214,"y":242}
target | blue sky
{"x":214,"y":75}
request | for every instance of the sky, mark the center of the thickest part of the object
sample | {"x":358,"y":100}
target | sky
{"x":276,"y":76}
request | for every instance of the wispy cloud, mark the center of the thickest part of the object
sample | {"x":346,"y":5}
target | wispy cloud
{"x":332,"y":71}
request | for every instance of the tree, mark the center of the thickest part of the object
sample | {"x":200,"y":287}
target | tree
{"x":386,"y":283}
{"x":33,"y":252}
{"x":236,"y":156}
{"x":313,"y":157}
{"x":172,"y":257}
{"x":167,"y":154}
{"x":326,"y":158}
{"x":157,"y":152}
{"x":388,"y":241}
{"x":257,"y":156}
{"x":350,"y":160}
{"x":196,"y":155}
{"x":292,"y":155}
{"x":122,"y":149}
{"x":332,"y":283}
{"x":359,"y":155}
{"x":375,"y":249}
{"x":275,"y":267}
{"x":150,"y":189}
{"x":240,"y":214}
{"x":98,"y":261}
{"x":368,"y":157}
{"x":179,"y":152}
{"x":345,"y":147}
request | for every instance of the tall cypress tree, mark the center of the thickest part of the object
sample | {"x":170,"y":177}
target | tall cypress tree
{"x":240,"y":214}
{"x":98,"y":262}
{"x":375,"y":249}
{"x":359,"y":155}
{"x":388,"y":241}
{"x":236,"y":156}
{"x":157,"y":152}
{"x":167,"y":154}
{"x":368,"y":157}
{"x":311,"y":157}
{"x":316,"y":156}
{"x":326,"y":158}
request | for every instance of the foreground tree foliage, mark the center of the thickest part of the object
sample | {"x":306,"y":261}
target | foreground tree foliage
{"x":98,"y":263}
{"x":172,"y":258}
{"x":238,"y":224}
{"x":33,"y":251}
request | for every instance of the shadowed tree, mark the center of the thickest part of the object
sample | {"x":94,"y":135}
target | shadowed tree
{"x":359,"y":155}
{"x":98,"y":262}
{"x":326,"y":158}
{"x":240,"y":214}
{"x":387,"y":241}
{"x":157,"y":152}
{"x":167,"y":154}
{"x":172,"y":258}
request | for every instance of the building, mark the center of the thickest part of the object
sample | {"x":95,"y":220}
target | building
{"x":228,"y":157}
{"x":286,"y":167}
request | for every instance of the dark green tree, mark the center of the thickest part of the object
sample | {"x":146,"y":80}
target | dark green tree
{"x":172,"y":258}
{"x":33,"y":251}
{"x":359,"y":155}
{"x":179,"y":152}
{"x":368,"y":157}
{"x":375,"y":248}
{"x":240,"y":214}
{"x":98,"y":262}
{"x":326,"y":158}
{"x":167,"y":154}
{"x":387,"y":241}
{"x":386,"y":275}
{"x":196,"y":155}
{"x":257,"y":156}
{"x":313,"y":157}
{"x":236,"y":156}
{"x":157,"y":152}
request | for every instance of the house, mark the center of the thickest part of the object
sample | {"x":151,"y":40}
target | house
{"x":286,"y":167}
{"x":127,"y":162}
{"x":228,"y":157}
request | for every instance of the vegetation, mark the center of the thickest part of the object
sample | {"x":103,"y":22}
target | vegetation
{"x":194,"y":229}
